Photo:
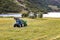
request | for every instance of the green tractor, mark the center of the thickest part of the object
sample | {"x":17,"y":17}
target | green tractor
{"x":20,"y":22}
{"x":24,"y":23}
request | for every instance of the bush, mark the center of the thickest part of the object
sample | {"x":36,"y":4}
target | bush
{"x":24,"y":15}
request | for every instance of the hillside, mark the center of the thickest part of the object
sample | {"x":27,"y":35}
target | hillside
{"x":36,"y":6}
{"x":54,"y":2}
{"x":42,"y":4}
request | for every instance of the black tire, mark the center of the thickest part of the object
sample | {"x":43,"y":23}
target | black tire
{"x":16,"y":25}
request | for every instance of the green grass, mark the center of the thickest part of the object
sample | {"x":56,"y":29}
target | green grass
{"x":37,"y":29}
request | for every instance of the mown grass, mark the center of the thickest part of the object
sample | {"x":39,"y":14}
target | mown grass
{"x":37,"y":29}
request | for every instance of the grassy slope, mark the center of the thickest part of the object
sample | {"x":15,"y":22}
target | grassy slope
{"x":37,"y":29}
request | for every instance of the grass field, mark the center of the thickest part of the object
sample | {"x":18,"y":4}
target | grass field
{"x":37,"y":29}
